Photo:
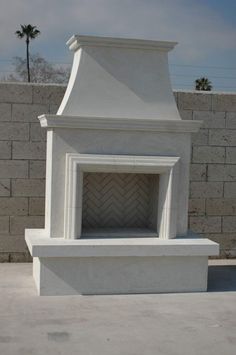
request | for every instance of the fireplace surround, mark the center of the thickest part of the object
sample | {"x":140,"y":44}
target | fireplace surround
{"x":117,"y":179}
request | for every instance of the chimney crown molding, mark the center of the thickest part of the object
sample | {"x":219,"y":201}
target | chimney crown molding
{"x":78,"y":41}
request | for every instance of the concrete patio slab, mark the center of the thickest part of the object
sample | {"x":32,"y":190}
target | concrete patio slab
{"x":168,"y":324}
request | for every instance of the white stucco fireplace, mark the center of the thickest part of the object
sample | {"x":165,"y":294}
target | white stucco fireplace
{"x":117,"y":179}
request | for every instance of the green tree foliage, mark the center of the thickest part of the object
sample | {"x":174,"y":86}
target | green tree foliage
{"x":28,"y":32}
{"x":203,"y":84}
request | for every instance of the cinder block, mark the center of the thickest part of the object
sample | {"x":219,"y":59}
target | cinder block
{"x":227,"y":242}
{"x":5,"y":112}
{"x":37,"y":169}
{"x":28,"y":187}
{"x":220,"y":172}
{"x":224,"y":102}
{"x":12,"y":243}
{"x":37,"y":133}
{"x":29,"y":150}
{"x":231,"y":155}
{"x":230,"y":189}
{"x":229,"y":224}
{"x":194,"y":101}
{"x":186,"y":114}
{"x":206,"y":189}
{"x":205,"y":224}
{"x":48,"y":94}
{"x":196,"y":207}
{"x":5,"y":150}
{"x":28,"y":113}
{"x":5,"y":187}
{"x":19,"y":223}
{"x":221,"y":207}
{"x":13,"y":206}
{"x":222,"y":137}
{"x":211,"y":119}
{"x":206,"y":154}
{"x":4,"y":257}
{"x":198,"y":172}
{"x":15,"y":92}
{"x":20,"y":257}
{"x":14,"y":131}
{"x":200,"y":138}
{"x":231,"y":120}
{"x":37,"y":206}
{"x":53,"y":108}
{"x":4,"y":224}
{"x":13,"y":169}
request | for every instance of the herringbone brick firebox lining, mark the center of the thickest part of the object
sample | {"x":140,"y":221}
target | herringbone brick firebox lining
{"x":119,"y":200}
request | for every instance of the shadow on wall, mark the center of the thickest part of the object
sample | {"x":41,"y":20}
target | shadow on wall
{"x":222,"y":278}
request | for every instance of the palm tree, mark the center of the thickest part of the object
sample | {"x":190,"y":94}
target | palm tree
{"x":29,"y":32}
{"x":203,"y":84}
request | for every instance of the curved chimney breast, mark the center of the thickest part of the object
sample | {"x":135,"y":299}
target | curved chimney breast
{"x":114,"y":77}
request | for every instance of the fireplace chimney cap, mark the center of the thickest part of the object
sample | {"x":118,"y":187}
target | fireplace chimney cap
{"x":78,"y":41}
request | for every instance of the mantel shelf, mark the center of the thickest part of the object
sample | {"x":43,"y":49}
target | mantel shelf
{"x":121,"y":124}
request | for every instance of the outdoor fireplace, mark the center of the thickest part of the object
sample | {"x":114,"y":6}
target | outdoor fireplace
{"x":117,"y":178}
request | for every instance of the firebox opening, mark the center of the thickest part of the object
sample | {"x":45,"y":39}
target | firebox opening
{"x":119,"y":204}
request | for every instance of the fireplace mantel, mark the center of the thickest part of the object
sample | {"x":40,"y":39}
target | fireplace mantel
{"x":124,"y":124}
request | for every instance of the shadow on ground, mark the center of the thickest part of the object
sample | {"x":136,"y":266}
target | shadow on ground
{"x":222,"y":278}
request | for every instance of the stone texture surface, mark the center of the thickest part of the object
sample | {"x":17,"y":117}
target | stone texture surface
{"x":198,"y":172}
{"x":22,"y":162}
{"x":28,"y":187}
{"x":37,"y":169}
{"x":231,"y":155}
{"x":5,"y":112}
{"x":200,"y":138}
{"x":203,"y":224}
{"x":222,"y":137}
{"x":28,"y":112}
{"x":231,"y":120}
{"x":212,"y":203}
{"x":29,"y":150}
{"x":36,"y":206}
{"x":19,"y":223}
{"x":206,"y":189}
{"x":205,"y":154}
{"x":5,"y":149}
{"x":13,"y":169}
{"x":5,"y":188}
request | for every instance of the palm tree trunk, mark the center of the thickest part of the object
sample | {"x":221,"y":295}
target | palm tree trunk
{"x":27,"y":59}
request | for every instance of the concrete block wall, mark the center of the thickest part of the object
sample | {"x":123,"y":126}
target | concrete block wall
{"x":22,"y":162}
{"x":212,"y":204}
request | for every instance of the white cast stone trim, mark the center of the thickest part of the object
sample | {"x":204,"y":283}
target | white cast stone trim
{"x":77,"y":164}
{"x":41,"y":246}
{"x":123,"y":124}
{"x":78,"y":41}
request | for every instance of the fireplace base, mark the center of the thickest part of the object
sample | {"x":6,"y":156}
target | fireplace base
{"x":118,"y":265}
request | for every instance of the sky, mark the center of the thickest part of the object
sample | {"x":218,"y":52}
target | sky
{"x":204,"y":29}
